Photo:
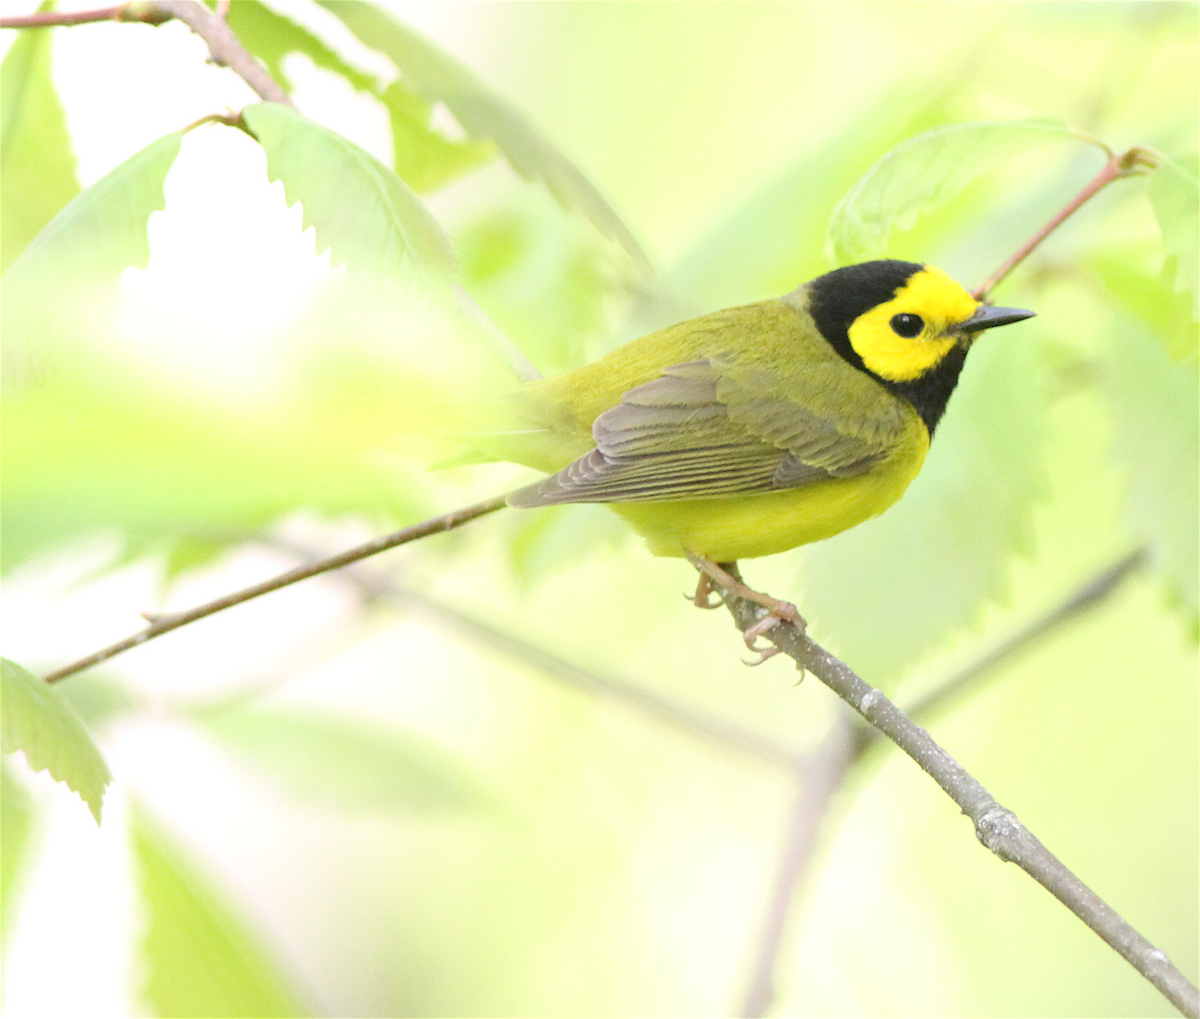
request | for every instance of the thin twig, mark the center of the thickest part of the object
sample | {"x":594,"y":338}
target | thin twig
{"x":137,"y":11}
{"x":224,"y":49}
{"x":1135,"y":161}
{"x":228,"y":119}
{"x":995,"y":826}
{"x":684,"y":717}
{"x":172,"y":621}
{"x":678,"y":715}
{"x":819,"y":776}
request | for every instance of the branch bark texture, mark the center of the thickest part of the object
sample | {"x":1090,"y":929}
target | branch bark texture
{"x":995,"y":826}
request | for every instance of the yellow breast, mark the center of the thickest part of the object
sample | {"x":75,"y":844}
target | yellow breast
{"x":744,"y":527}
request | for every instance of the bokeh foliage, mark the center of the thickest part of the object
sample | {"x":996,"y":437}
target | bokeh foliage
{"x":521,"y":849}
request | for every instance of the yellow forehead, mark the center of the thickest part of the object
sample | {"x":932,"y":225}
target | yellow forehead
{"x":938,"y":300}
{"x":932,"y":294}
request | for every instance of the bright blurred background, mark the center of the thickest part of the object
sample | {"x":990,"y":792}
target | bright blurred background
{"x":406,"y":809}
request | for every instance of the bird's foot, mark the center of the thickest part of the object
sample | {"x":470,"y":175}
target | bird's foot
{"x":704,"y":588}
{"x":725,"y":576}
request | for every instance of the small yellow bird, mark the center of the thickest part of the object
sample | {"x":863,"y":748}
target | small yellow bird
{"x":753,"y":430}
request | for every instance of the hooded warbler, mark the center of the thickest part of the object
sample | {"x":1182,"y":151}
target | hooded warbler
{"x":755,"y":429}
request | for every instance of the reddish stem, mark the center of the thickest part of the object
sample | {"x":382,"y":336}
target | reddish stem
{"x":143,"y":12}
{"x":1118,"y":166}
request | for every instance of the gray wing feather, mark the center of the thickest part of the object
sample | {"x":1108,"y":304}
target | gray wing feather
{"x":692,"y":434}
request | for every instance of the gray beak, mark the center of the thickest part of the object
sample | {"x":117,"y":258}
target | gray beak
{"x":988,"y":317}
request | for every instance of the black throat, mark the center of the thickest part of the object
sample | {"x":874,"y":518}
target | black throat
{"x":931,"y":392}
{"x":836,"y":299}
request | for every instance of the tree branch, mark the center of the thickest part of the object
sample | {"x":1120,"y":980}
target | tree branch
{"x":995,"y":826}
{"x":223,"y":46}
{"x":138,"y":11}
{"x":849,"y":742}
{"x":819,"y":774}
{"x":172,"y":621}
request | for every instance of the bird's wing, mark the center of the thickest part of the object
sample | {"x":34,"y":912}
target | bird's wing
{"x":701,"y":431}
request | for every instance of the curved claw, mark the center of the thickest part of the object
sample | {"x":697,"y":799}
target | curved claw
{"x":759,"y":628}
{"x":751,"y":638}
{"x":764,"y":653}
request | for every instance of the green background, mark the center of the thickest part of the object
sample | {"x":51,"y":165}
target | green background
{"x":411,"y":815}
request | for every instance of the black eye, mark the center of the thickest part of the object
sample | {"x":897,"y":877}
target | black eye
{"x":908,"y":326}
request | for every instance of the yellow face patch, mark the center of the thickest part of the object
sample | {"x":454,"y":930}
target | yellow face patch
{"x":902,"y":339}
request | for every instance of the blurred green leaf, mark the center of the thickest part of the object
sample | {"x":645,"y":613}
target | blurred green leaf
{"x":106,"y":448}
{"x":923,"y":173}
{"x":1150,"y":297}
{"x":38,"y":721}
{"x":424,"y":157}
{"x":542,"y":542}
{"x":366,"y":215}
{"x":1156,"y":410}
{"x":1174,"y":190}
{"x":16,"y":832}
{"x":889,"y":591}
{"x":542,"y":277}
{"x":72,"y":268}
{"x":482,"y":114}
{"x":186,"y":552}
{"x":270,"y":36}
{"x":350,"y":763}
{"x":198,"y":958}
{"x":96,"y":698}
{"x":773,"y":240}
{"x":36,"y":161}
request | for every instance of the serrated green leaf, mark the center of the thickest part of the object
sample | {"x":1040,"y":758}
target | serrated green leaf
{"x":270,"y":36}
{"x":37,"y":721}
{"x":36,"y":161}
{"x":68,"y":275}
{"x":198,"y":957}
{"x":483,"y":114}
{"x":1174,"y":190}
{"x":16,"y":831}
{"x":1156,"y":437}
{"x":889,"y":591}
{"x":350,"y":763}
{"x":426,"y":158}
{"x":366,"y":215}
{"x":923,"y":173}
